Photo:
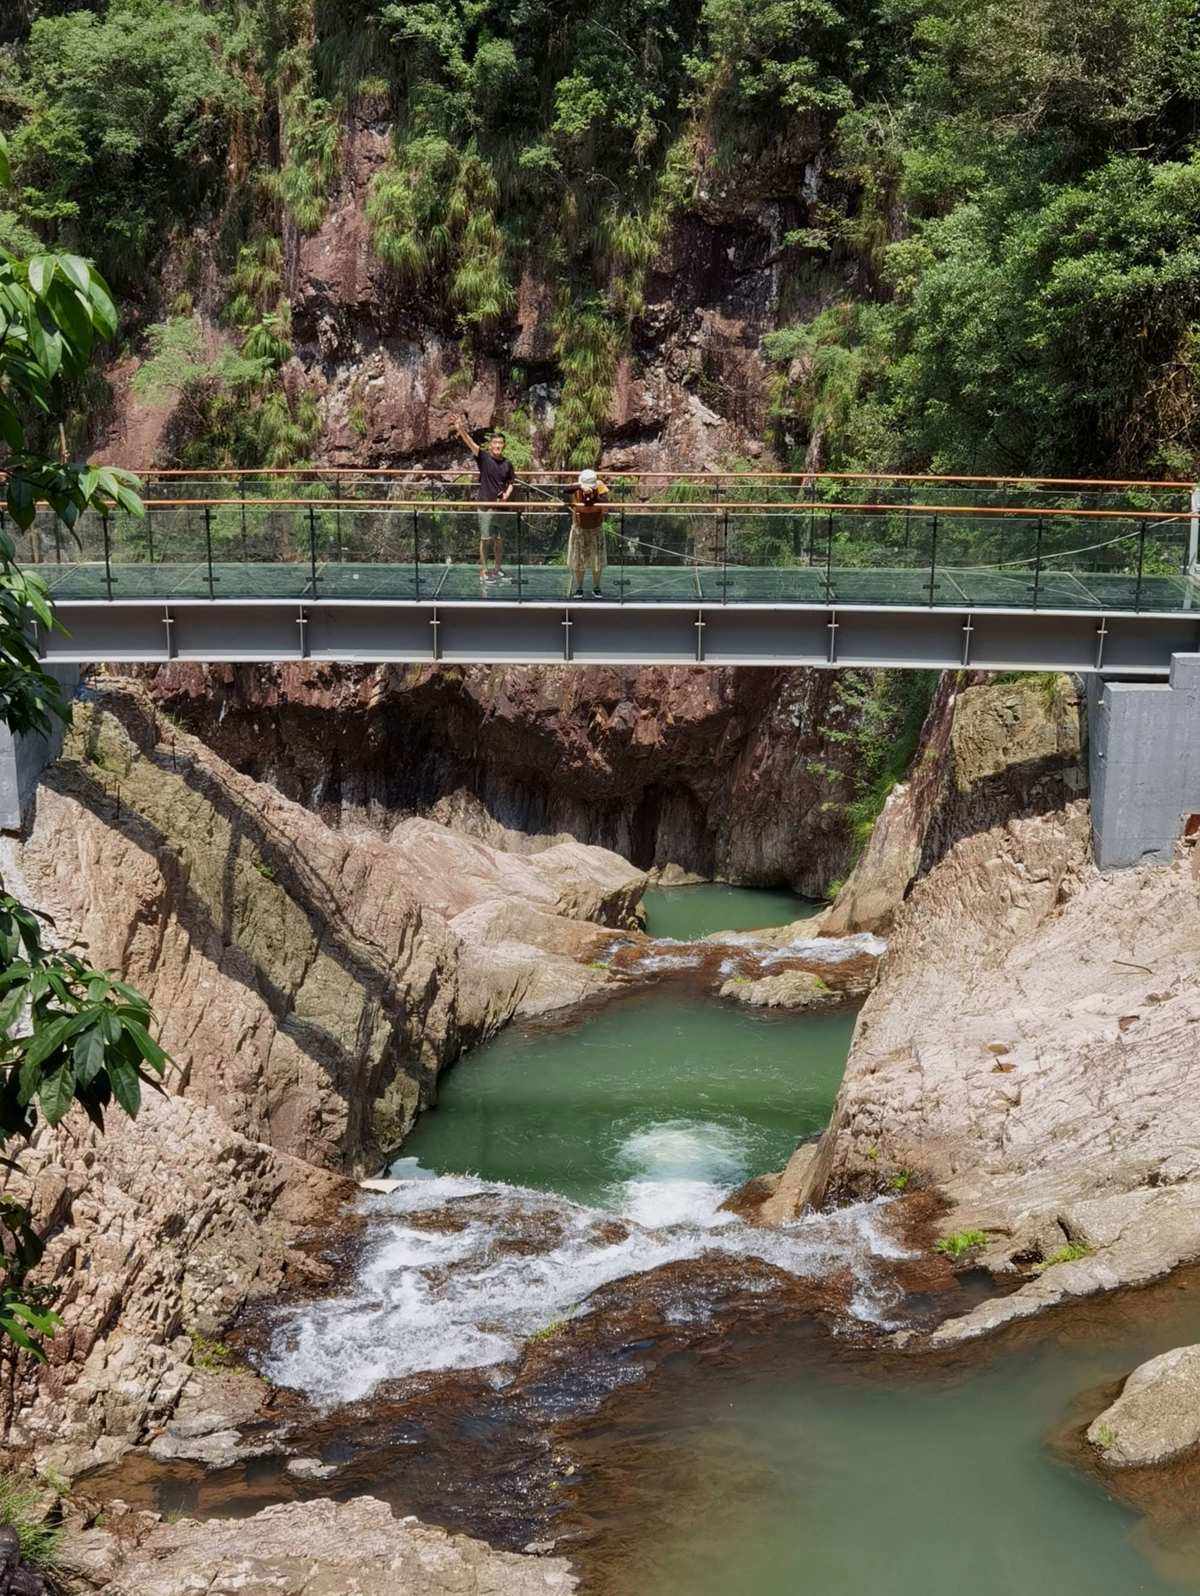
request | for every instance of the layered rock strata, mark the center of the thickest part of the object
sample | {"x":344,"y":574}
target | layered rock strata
{"x":310,"y":984}
{"x":1032,"y":1044}
{"x":732,"y":774}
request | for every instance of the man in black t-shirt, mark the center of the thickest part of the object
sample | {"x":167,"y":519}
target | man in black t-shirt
{"x":496,"y":482}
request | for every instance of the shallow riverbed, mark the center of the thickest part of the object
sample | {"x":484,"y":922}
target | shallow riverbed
{"x":720,"y":1439}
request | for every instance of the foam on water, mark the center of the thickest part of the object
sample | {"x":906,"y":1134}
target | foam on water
{"x":510,"y":1261}
{"x":680,"y":1172}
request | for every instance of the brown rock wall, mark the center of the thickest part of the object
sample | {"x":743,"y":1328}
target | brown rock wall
{"x":728,"y":773}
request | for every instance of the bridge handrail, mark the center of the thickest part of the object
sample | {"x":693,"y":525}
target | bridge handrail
{"x":538,"y":473}
{"x":714,"y":507}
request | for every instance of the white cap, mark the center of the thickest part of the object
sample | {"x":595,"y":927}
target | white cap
{"x":587,"y":479}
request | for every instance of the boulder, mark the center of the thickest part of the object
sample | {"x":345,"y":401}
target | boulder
{"x":789,"y":989}
{"x":1157,"y":1416}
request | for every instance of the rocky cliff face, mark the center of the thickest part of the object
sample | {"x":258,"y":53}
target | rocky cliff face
{"x":310,"y":984}
{"x":389,"y":373}
{"x":985,"y":757}
{"x":1032,"y":1042}
{"x":735,"y":774}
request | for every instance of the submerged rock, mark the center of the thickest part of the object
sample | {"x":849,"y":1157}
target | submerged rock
{"x":1157,"y":1416}
{"x":354,"y":1548}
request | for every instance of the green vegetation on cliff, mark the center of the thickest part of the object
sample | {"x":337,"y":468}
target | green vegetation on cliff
{"x":985,"y":210}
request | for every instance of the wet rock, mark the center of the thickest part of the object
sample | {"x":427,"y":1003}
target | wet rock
{"x":352,"y":1548}
{"x":781,"y":1203}
{"x":747,"y":1201}
{"x":216,"y":1449}
{"x":1157,"y":1416}
{"x":310,"y":1468}
{"x":789,"y":989}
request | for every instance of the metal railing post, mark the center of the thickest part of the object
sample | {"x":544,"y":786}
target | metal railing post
{"x":312,"y":544}
{"x":725,"y":556}
{"x":242,"y":496}
{"x":933,"y":562}
{"x":621,"y":578}
{"x":208,"y":547}
{"x":1037,"y":563}
{"x":107,"y":554}
{"x":829,"y":555}
{"x":520,"y":528}
{"x":416,"y":529}
{"x":1137,"y":597}
{"x":150,"y":530}
{"x":1193,"y":557}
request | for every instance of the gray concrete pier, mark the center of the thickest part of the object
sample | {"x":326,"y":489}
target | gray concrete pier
{"x":1144,"y":758}
{"x":22,"y":759}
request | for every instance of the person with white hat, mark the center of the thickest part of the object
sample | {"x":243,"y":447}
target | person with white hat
{"x":586,"y":544}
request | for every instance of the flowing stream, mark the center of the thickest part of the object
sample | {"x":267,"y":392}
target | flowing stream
{"x":565,"y":1161}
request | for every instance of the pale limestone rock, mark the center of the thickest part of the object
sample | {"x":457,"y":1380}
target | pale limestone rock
{"x":789,"y":989}
{"x":352,"y":1548}
{"x":1157,"y":1416}
{"x":203,"y":1427}
{"x":449,"y":872}
{"x":1032,"y":1043}
{"x":310,"y":1468}
{"x":781,"y":1202}
{"x":1135,"y":1237}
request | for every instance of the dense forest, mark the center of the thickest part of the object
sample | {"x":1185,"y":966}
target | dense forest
{"x":987,"y":212}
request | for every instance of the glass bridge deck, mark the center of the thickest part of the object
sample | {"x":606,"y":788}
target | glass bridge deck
{"x":1095,"y":561}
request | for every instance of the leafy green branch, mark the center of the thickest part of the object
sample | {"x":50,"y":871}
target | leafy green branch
{"x":69,"y":1034}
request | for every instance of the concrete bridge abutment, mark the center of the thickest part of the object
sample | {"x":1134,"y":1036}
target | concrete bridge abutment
{"x":1144,"y":765}
{"x":22,"y":759}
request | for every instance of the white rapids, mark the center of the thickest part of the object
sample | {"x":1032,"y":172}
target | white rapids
{"x":506,"y":1261}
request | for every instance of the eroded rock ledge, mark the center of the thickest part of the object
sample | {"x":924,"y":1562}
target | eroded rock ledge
{"x":354,"y":1548}
{"x":1032,"y":1044}
{"x":733,"y":774}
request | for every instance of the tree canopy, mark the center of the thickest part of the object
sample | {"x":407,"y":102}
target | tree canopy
{"x":986,"y":206}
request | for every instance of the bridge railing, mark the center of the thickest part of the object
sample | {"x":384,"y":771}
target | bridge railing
{"x":714,"y":551}
{"x":665,"y":488}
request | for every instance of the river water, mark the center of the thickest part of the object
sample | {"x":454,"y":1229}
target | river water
{"x":565,"y":1160}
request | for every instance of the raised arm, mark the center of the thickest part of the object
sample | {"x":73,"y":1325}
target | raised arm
{"x":460,"y":426}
